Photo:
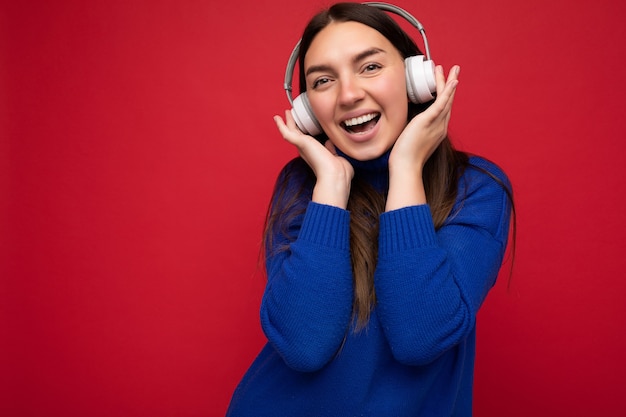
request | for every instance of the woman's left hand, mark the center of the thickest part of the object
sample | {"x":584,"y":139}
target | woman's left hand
{"x":417,"y":142}
{"x":424,"y":132}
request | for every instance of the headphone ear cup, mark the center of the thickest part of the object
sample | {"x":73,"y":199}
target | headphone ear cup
{"x":304,"y":117}
{"x":420,"y":79}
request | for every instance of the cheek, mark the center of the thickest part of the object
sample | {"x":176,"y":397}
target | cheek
{"x":391,"y":94}
{"x":322,"y":107}
{"x":394,"y":88}
{"x":396,"y":103}
{"x":395,"y":100}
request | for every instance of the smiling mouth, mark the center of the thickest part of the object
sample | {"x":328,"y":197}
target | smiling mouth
{"x":361,"y":124}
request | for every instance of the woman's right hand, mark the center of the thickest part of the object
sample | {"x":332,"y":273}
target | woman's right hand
{"x":334,"y":173}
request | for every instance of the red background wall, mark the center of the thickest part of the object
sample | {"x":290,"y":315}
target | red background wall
{"x":138,"y":153}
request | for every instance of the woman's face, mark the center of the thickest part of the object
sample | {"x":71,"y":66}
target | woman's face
{"x":356,"y":85}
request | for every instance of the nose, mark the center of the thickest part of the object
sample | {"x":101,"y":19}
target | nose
{"x":350,"y":91}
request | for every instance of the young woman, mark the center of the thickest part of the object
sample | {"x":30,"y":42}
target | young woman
{"x":382,"y":240}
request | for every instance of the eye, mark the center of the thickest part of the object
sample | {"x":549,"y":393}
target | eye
{"x":320,"y":82}
{"x":371,"y":67}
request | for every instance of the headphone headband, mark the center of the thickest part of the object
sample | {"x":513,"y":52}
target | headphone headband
{"x":379,"y":5}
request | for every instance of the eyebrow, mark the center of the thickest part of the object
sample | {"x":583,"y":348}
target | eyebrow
{"x":359,"y":57}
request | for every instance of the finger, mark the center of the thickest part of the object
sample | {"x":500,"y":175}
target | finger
{"x":442,"y":104}
{"x":448,"y":108}
{"x":280,"y":124}
{"x":444,"y":100}
{"x":289,"y":121}
{"x":450,"y":96}
{"x":451,"y":83}
{"x":444,"y":86}
{"x":278,"y":120}
{"x":440,"y":79}
{"x":286,"y":132}
{"x":454,"y":73}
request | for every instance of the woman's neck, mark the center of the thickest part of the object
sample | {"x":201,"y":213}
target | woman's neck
{"x":375,"y":171}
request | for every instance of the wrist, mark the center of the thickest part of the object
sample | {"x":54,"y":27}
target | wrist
{"x":405,"y":171}
{"x":332,"y":193}
{"x":406,"y":188}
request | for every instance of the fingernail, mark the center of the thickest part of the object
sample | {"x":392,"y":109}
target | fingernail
{"x":457,"y":70}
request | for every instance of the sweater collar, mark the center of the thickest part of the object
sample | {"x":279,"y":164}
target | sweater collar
{"x":375,"y":171}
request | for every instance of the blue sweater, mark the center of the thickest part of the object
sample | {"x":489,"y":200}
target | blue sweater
{"x":416,"y":355}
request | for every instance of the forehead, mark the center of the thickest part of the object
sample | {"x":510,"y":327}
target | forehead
{"x":342,"y":41}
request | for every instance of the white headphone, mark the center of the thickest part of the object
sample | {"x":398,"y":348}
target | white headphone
{"x":420,"y":77}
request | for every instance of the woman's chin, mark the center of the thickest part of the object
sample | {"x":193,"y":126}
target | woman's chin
{"x":365,"y":153}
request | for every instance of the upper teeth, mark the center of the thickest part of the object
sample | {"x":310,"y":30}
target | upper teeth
{"x":359,"y":120}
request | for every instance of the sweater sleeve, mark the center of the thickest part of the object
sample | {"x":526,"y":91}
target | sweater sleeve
{"x":307,"y":303}
{"x":430,"y":284}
